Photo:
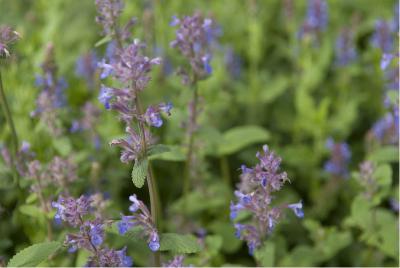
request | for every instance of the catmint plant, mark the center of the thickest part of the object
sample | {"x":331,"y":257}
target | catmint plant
{"x":90,"y":235}
{"x":52,"y":97}
{"x":340,"y":156}
{"x":176,"y":262}
{"x":194,"y":37}
{"x":386,"y":130}
{"x":254,"y":196}
{"x":127,"y":65}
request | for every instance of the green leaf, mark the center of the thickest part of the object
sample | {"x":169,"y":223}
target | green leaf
{"x":102,"y":41}
{"x":139,"y":172}
{"x":31,"y":210}
{"x":237,"y":138}
{"x":266,"y":254}
{"x":167,"y":153}
{"x":386,"y":154}
{"x":62,"y":146}
{"x":213,"y":244}
{"x":34,"y":255}
{"x":157,"y":149}
{"x":178,"y":243}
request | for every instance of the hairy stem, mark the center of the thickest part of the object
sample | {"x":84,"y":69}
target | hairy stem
{"x":189,"y":156}
{"x":9,"y":119}
{"x":151,"y":183}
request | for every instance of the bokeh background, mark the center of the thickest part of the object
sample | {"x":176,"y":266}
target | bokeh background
{"x":268,"y":72}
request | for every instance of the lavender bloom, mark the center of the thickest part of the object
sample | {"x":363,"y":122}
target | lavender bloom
{"x":176,"y":262}
{"x":51,"y":97}
{"x":383,"y":36}
{"x":71,"y":210}
{"x":316,"y":19}
{"x":23,"y":157}
{"x":193,"y":39}
{"x":86,"y":67}
{"x":233,"y":63}
{"x":367,"y":169}
{"x":88,"y":122}
{"x":345,"y":49}
{"x":109,"y":11}
{"x":254,"y":195}
{"x":340,"y":157}
{"x":140,"y":217}
{"x":386,"y":130}
{"x":106,"y":94}
{"x":7,"y":37}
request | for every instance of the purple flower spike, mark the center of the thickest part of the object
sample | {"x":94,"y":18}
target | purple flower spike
{"x":153,"y":117}
{"x":106,"y":94}
{"x":340,"y":158}
{"x":254,"y":196}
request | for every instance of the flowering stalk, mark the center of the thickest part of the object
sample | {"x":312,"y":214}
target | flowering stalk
{"x":255,"y":195}
{"x":7,"y":37}
{"x":194,"y":37}
{"x":130,"y":68}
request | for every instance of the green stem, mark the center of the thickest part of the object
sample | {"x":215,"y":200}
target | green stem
{"x":189,"y":155}
{"x":151,"y":183}
{"x":9,"y":119}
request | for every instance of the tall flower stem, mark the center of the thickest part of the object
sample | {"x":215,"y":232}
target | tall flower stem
{"x":9,"y":119}
{"x":153,"y":191}
{"x":189,"y":156}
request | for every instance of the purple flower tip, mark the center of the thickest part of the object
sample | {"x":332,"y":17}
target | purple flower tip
{"x":297,"y":209}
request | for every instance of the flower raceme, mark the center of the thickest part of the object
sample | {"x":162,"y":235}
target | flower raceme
{"x":140,"y":217}
{"x":337,"y":165}
{"x":255,"y":195}
{"x":91,"y":235}
{"x":194,"y":37}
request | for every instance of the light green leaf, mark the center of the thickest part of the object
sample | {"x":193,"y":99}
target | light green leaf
{"x":34,"y":255}
{"x":139,"y":172}
{"x":167,"y":153}
{"x":266,"y":254}
{"x":102,"y":41}
{"x":178,"y":243}
{"x":62,"y":146}
{"x":386,"y":154}
{"x":237,"y":138}
{"x":31,"y":210}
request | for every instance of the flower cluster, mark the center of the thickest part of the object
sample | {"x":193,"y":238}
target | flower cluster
{"x":386,"y":130}
{"x":7,"y":37}
{"x":176,"y":262}
{"x":340,"y":153}
{"x":345,"y":48}
{"x":141,"y":218}
{"x":131,"y":69}
{"x":194,"y":37}
{"x":109,"y":11}
{"x":254,"y":196}
{"x":59,"y":172}
{"x":88,"y":122}
{"x":383,"y":36}
{"x":366,"y":178}
{"x":52,"y":95}
{"x":91,"y":232}
{"x":23,"y":156}
{"x":316,"y":19}
{"x":86,"y":67}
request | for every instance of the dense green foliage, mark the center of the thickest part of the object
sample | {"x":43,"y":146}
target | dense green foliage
{"x":290,"y":94}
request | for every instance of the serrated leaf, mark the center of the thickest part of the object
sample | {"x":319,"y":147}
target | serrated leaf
{"x":179,"y":243}
{"x":157,"y":149}
{"x":103,"y":40}
{"x":237,"y":138}
{"x":139,"y":172}
{"x":34,"y":255}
